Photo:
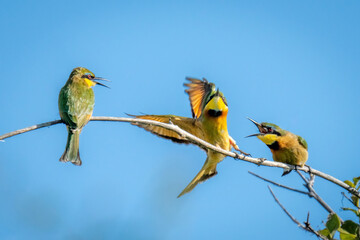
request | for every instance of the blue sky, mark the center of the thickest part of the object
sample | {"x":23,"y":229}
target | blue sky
{"x":293,"y":63}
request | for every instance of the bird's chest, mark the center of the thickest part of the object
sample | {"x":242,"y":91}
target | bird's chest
{"x":217,"y":134}
{"x":81,"y":94}
{"x":80,"y":97}
{"x":288,"y":150}
{"x":76,"y":104}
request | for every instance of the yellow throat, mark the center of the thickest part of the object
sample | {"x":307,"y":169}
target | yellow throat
{"x":89,"y":83}
{"x":268,"y":139}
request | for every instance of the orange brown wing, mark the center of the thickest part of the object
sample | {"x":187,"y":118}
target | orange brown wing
{"x":199,"y":91}
{"x":188,"y":124}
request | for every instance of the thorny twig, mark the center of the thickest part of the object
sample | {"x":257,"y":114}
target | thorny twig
{"x":306,"y":226}
{"x":309,"y":185}
{"x":278,"y":184}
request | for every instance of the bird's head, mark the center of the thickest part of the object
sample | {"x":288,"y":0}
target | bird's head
{"x":205,"y":99}
{"x":86,"y":76}
{"x":268,"y":133}
{"x":216,"y":105}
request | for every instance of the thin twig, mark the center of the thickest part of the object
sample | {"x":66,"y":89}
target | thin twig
{"x":306,"y":227}
{"x":28,"y":129}
{"x":310,"y":229}
{"x":312,"y":193}
{"x":199,"y":142}
{"x":285,"y":210}
{"x":308,"y":184}
{"x":278,"y":184}
{"x":350,"y":200}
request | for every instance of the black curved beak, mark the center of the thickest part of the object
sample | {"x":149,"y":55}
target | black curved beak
{"x":255,"y":122}
{"x":256,"y":134}
{"x":100,"y":79}
{"x":258,"y":125}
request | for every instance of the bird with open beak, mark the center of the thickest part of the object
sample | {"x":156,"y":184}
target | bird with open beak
{"x":76,"y":105}
{"x":285,"y":146}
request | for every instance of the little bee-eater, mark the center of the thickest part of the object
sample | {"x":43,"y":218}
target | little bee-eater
{"x":209,"y":110}
{"x":76,"y":104}
{"x":285,"y":146}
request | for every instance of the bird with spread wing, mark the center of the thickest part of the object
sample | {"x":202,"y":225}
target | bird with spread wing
{"x":209,"y":123}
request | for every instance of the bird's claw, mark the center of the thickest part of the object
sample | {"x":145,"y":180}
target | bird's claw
{"x":244,"y":153}
{"x":287,"y":171}
{"x":237,"y":156}
{"x":310,"y":170}
{"x":261,"y":161}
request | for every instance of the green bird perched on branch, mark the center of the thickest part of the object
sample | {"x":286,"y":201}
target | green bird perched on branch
{"x":285,"y":146}
{"x":76,"y":105}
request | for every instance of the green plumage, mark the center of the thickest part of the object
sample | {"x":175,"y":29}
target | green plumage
{"x":76,"y":104}
{"x":303,"y":142}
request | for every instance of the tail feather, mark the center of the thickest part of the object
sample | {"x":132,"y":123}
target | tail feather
{"x":71,"y":153}
{"x":206,"y":172}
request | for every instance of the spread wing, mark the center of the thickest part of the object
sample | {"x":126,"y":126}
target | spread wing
{"x":199,"y":92}
{"x":188,"y":124}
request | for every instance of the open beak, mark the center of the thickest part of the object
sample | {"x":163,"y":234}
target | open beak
{"x":97,"y":79}
{"x":258,"y":125}
{"x":256,"y":134}
{"x":255,"y":122}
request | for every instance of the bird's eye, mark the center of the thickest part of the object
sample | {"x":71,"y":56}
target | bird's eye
{"x":270,"y":129}
{"x":88,"y":76}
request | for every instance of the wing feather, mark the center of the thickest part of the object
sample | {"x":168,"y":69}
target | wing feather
{"x":198,"y":91}
{"x":188,"y":124}
{"x":302,"y":142}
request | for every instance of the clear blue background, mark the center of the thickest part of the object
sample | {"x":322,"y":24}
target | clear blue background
{"x":293,"y":63}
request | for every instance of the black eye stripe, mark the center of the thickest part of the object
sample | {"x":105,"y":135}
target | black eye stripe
{"x":88,"y":76}
{"x":224,"y":100}
{"x":210,"y":98}
{"x":271,"y":130}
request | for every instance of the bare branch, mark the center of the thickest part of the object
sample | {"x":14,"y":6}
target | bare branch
{"x":306,"y":227}
{"x":309,"y":185}
{"x":199,"y":142}
{"x":286,"y":211}
{"x":278,"y":184}
{"x":28,"y":129}
{"x":310,"y":229}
